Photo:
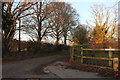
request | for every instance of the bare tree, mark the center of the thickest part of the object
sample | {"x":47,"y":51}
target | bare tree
{"x":63,"y":18}
{"x":11,"y":12}
{"x":55,"y":22}
{"x":36,"y":25}
{"x":69,"y":19}
{"x":15,"y":11}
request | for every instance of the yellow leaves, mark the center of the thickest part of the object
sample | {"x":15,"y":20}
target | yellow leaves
{"x":98,"y":41}
{"x":103,"y":25}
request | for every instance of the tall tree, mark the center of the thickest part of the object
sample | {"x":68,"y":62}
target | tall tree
{"x":11,"y":12}
{"x":55,"y":24}
{"x":119,"y":33}
{"x":69,"y":19}
{"x":36,"y":25}
{"x":104,"y":26}
{"x":80,"y":35}
{"x":62,"y":20}
{"x":14,"y":11}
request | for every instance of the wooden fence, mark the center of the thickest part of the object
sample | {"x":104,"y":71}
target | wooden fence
{"x":79,"y":53}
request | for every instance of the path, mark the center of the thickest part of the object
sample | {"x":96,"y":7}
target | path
{"x":20,"y":69}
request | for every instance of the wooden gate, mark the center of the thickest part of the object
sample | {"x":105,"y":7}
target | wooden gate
{"x":78,"y":52}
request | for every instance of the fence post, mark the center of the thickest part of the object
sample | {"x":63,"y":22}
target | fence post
{"x":110,"y":56}
{"x":72,"y":53}
{"x":78,"y":50}
{"x":81,"y":54}
{"x":115,"y":64}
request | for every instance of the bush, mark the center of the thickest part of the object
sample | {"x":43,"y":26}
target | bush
{"x":34,"y":48}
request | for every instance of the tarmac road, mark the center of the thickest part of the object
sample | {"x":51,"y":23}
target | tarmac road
{"x":20,"y":69}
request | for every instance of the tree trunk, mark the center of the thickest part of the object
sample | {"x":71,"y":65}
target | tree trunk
{"x":39,"y":23}
{"x":5,"y":47}
{"x":65,"y":40}
{"x":39,"y":32}
{"x":57,"y":40}
{"x":119,"y":44}
{"x":19,"y":37}
{"x":119,"y":34}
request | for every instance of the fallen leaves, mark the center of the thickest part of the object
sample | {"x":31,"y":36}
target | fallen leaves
{"x":102,"y":71}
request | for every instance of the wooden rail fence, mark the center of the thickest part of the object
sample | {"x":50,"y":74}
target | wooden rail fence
{"x":111,"y":60}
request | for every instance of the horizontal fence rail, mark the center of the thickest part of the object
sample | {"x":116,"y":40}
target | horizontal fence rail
{"x":78,"y":52}
{"x":101,"y":49}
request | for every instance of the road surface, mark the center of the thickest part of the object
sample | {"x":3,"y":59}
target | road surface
{"x":21,"y":69}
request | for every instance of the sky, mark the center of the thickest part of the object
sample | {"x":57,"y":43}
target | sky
{"x":84,"y":8}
